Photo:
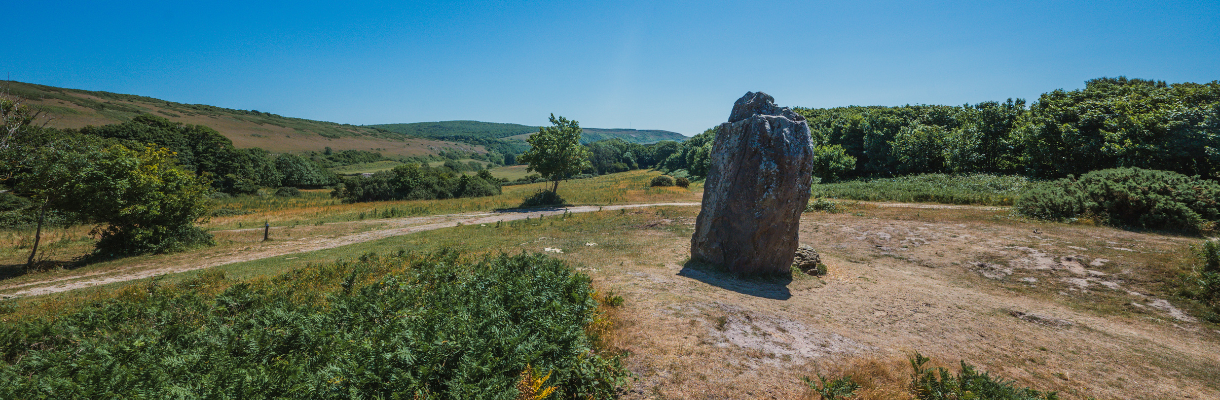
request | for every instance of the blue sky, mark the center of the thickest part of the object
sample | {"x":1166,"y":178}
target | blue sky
{"x":608,"y":64}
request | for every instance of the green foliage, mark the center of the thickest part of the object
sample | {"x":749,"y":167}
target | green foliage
{"x":301,"y":172}
{"x":940,"y":188}
{"x":693,"y":155}
{"x":940,"y":384}
{"x":662,"y":180}
{"x":1131,"y":197}
{"x":544,"y":198}
{"x":555,"y":151}
{"x":416,"y":182}
{"x":288,"y":191}
{"x":1120,"y":122}
{"x":920,"y":149}
{"x":682,"y":182}
{"x":823,"y":205}
{"x":148,"y":203}
{"x":832,"y":163}
{"x":838,"y":389}
{"x":400,"y":327}
{"x":1203,"y":284}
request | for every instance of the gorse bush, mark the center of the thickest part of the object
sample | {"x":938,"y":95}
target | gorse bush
{"x":400,"y":327}
{"x":940,"y":188}
{"x":543,"y":198}
{"x":1131,"y":197}
{"x":682,"y":182}
{"x":1204,"y":284}
{"x":662,"y":180}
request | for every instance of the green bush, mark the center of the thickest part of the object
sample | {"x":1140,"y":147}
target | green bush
{"x":682,"y":182}
{"x":543,"y":198}
{"x":400,"y":327}
{"x":940,"y":384}
{"x":1131,"y":197}
{"x":838,"y":389}
{"x":288,"y":191}
{"x":1204,"y":284}
{"x":663,"y":180}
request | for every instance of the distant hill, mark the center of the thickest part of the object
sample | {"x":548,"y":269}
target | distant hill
{"x":457,"y":130}
{"x":73,"y":108}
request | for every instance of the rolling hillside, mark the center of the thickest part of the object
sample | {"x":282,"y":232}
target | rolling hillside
{"x":459,"y":130}
{"x":72,"y":108}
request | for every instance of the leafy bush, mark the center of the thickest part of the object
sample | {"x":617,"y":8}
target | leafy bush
{"x":1130,"y":197}
{"x":1204,"y":284}
{"x":543,"y":198}
{"x":663,"y":180}
{"x":838,"y":389}
{"x":682,"y":182}
{"x":823,"y":205}
{"x":940,"y":188}
{"x":416,"y":182}
{"x":288,"y":191}
{"x":400,"y":327}
{"x":832,"y":163}
{"x":940,"y":384}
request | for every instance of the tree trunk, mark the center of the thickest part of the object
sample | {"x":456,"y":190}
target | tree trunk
{"x":555,"y":189}
{"x":42,"y":214}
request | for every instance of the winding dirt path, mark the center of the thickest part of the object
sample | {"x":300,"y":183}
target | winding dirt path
{"x":396,"y":227}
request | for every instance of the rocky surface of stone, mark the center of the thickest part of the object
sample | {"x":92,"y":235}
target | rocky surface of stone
{"x":757,"y":186}
{"x":807,"y":260}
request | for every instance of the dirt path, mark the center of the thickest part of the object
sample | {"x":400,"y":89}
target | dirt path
{"x":396,"y":227}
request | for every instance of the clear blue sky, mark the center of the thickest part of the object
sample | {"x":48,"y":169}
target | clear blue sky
{"x":608,"y":64}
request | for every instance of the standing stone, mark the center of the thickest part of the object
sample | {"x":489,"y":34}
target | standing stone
{"x":757,"y":186}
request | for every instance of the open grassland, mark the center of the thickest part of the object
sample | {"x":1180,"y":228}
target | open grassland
{"x":998,"y":190}
{"x":1084,"y":310}
{"x":512,"y":172}
{"x":315,"y":214}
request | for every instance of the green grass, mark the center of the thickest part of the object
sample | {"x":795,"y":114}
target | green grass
{"x":405,"y":326}
{"x":512,"y":172}
{"x":366,"y":168}
{"x":982,"y":189}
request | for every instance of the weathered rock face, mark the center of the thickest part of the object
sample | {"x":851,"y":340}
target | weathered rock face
{"x":757,"y":186}
{"x":807,"y":260}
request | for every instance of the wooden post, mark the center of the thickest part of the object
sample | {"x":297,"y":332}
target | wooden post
{"x":266,"y":230}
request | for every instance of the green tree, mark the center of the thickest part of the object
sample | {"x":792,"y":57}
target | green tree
{"x":143,"y":201}
{"x":555,"y":151}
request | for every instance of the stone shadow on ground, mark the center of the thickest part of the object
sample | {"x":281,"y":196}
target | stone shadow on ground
{"x":769,"y":287}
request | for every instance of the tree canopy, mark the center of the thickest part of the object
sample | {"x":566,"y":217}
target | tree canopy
{"x":555,"y":151}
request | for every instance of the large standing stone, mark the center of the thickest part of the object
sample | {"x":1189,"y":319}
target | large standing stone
{"x":757,"y":186}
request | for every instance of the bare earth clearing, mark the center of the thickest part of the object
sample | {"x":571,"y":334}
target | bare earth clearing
{"x":1079,"y":309}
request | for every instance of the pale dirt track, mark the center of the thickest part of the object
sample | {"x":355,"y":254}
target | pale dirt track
{"x":396,"y":227}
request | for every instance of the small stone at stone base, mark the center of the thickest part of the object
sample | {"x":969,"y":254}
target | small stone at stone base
{"x":807,"y":260}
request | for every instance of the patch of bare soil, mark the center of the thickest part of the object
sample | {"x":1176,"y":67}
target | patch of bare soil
{"x":1073,"y":310}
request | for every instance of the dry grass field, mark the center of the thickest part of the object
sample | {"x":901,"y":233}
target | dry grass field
{"x":1084,"y":310}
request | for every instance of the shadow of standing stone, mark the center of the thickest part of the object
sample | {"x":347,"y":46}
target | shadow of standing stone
{"x":757,"y":186}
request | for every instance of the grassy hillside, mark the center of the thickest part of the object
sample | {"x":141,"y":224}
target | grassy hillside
{"x":72,"y":108}
{"x":459,"y":130}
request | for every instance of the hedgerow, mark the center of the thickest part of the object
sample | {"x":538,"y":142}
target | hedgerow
{"x":400,"y":327}
{"x":1131,"y":197}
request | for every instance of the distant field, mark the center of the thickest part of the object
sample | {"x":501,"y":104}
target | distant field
{"x":366,"y":168}
{"x":511,"y":173}
{"x":463,"y":161}
{"x":72,"y":108}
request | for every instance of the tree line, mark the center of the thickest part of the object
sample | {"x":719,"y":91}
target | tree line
{"x":1112,"y":122}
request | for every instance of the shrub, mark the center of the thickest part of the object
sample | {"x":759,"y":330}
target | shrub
{"x":288,"y":191}
{"x":663,"y":180}
{"x":823,"y":205}
{"x":936,"y":384}
{"x":543,"y":198}
{"x":940,"y":188}
{"x":682,"y":182}
{"x":1204,"y":284}
{"x":1131,"y":197}
{"x":397,"y":327}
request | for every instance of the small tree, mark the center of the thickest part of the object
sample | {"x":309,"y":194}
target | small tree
{"x":555,"y":151}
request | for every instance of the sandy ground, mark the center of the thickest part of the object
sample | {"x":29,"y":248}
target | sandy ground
{"x":1063,"y":310}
